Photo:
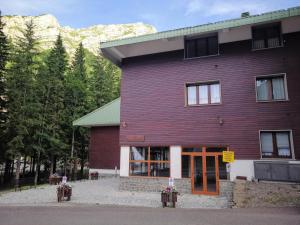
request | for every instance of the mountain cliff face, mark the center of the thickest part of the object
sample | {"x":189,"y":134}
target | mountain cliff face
{"x":47,"y":29}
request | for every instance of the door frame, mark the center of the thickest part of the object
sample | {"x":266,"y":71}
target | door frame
{"x":204,"y":154}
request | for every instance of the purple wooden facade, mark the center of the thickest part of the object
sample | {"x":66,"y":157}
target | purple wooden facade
{"x":153,"y":98}
{"x":104,"y":150}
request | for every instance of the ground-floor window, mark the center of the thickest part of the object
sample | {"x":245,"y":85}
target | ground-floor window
{"x":149,"y":161}
{"x":275,"y":144}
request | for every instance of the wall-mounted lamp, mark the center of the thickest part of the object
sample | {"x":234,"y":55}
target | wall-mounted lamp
{"x":221,"y":121}
{"x":124,"y":124}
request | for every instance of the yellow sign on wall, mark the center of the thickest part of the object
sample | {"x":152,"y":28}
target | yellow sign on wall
{"x":228,"y":156}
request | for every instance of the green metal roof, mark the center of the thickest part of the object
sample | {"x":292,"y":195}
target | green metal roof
{"x":107,"y":115}
{"x":265,"y":17}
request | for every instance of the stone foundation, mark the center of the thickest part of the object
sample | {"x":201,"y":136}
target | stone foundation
{"x":153,"y":184}
{"x":158,"y":184}
{"x":248,"y":194}
{"x":226,"y":189}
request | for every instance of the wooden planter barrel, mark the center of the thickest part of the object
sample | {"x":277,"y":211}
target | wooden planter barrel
{"x":169,"y":197}
{"x":94,"y":175}
{"x":63,"y":192}
{"x":55,"y":180}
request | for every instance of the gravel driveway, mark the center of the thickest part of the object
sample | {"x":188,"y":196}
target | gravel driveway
{"x":105,"y":192}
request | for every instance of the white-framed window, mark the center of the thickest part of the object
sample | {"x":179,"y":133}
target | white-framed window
{"x":276,"y":144}
{"x":271,"y":88}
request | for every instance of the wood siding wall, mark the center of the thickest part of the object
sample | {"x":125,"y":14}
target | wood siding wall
{"x":104,"y":152}
{"x":153,"y":98}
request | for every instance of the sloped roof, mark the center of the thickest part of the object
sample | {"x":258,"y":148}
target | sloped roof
{"x":107,"y":115}
{"x":275,"y":15}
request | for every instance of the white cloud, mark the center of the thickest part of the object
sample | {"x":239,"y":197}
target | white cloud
{"x":222,"y":7}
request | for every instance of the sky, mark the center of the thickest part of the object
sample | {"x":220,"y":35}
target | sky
{"x":163,"y":14}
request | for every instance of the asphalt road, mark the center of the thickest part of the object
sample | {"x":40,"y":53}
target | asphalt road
{"x":112,"y":215}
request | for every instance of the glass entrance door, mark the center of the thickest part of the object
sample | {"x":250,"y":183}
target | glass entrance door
{"x":198,"y":174}
{"x":205,"y":176}
{"x":211,"y":175}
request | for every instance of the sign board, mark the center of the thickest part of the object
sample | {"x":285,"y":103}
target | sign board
{"x":135,"y":138}
{"x":228,"y":156}
{"x":171,"y":181}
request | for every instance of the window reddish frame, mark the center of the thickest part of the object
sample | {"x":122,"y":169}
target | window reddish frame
{"x":197,"y":84}
{"x":149,"y":161}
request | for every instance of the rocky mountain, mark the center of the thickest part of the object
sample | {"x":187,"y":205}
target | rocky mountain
{"x":47,"y":29}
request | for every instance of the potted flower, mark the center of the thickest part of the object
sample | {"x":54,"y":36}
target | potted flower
{"x":169,"y":194}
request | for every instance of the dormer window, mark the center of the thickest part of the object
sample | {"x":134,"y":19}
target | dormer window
{"x":203,"y":46}
{"x":266,"y":36}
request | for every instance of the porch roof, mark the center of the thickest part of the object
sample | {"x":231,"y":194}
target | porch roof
{"x":107,"y":115}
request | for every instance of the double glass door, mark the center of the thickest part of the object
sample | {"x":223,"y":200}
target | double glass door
{"x":205,"y":173}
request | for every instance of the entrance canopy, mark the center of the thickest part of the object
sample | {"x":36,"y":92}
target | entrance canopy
{"x":107,"y":115}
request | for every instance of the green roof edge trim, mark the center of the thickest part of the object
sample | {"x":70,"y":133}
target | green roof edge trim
{"x":264,"y":17}
{"x":113,"y":114}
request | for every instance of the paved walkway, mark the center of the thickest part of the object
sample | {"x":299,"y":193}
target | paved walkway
{"x":105,"y":192}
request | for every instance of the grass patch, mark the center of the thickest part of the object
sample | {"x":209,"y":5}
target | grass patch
{"x":24,"y":188}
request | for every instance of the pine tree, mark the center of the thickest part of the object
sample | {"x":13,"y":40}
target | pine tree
{"x":3,"y":61}
{"x":20,"y":94}
{"x":104,"y":82}
{"x":76,"y":105}
{"x":3,"y":114}
{"x":51,"y":85}
{"x":78,"y":66}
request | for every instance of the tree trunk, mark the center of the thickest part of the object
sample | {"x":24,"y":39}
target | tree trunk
{"x":65,"y":168}
{"x":7,"y":174}
{"x":12,"y":168}
{"x":51,"y":164}
{"x":81,"y":167}
{"x":72,"y":157}
{"x":54,"y":164}
{"x":37,"y":169}
{"x":75,"y":168}
{"x":24,"y":168}
{"x":33,"y":164}
{"x":30,"y":165}
{"x":18,"y":171}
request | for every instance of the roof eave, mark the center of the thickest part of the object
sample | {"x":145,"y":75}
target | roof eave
{"x":108,"y":54}
{"x":265,"y":17}
{"x":96,"y":125}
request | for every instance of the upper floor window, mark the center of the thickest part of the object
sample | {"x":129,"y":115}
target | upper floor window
{"x":204,"y":46}
{"x":266,"y":36}
{"x":275,"y":144}
{"x":203,"y":93}
{"x":271,"y":88}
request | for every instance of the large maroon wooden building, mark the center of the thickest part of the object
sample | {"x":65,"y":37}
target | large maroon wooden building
{"x":189,"y":94}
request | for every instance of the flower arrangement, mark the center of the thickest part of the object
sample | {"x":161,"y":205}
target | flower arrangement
{"x":169,"y":189}
{"x":55,"y":175}
{"x":66,"y":185}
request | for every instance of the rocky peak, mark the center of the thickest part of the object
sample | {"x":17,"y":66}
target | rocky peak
{"x":47,"y":29}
